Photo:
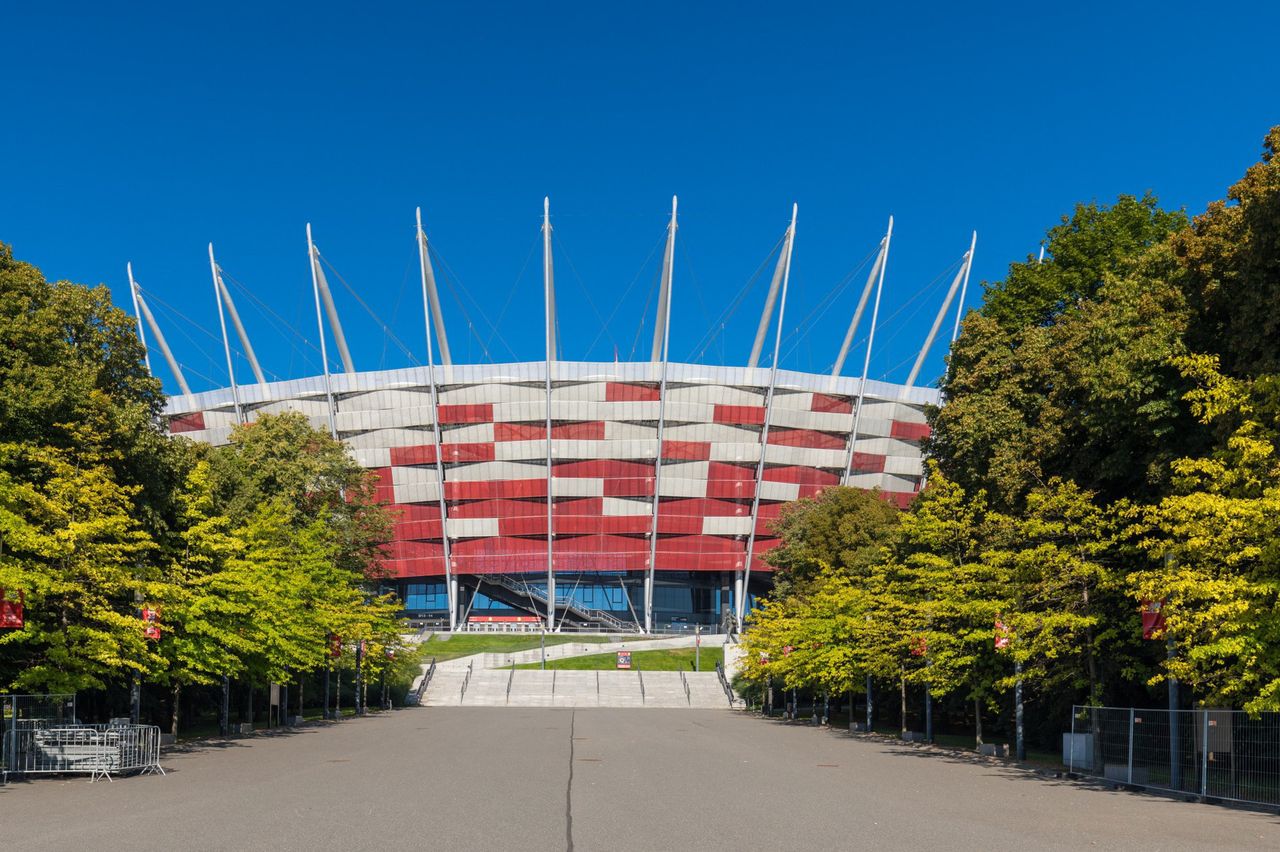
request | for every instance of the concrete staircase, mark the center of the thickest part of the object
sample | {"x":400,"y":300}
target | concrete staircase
{"x":538,"y":688}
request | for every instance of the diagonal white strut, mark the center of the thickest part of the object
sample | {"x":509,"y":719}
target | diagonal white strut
{"x":322,"y":284}
{"x":664,"y":291}
{"x":431,"y":295}
{"x":961,"y":274}
{"x":866,"y":361}
{"x":225,"y":295}
{"x":137,"y":315}
{"x":964,"y":286}
{"x":779,"y":273}
{"x":145,"y":313}
{"x":862,"y":306}
{"x":226,"y":343}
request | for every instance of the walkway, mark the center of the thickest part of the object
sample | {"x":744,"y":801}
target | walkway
{"x":597,"y":781}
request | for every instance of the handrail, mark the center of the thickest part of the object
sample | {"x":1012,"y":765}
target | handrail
{"x":422,"y":684}
{"x":724,"y":684}
{"x":642,"y":695}
{"x":688,"y":699}
{"x":465,"y":682}
{"x":510,"y":678}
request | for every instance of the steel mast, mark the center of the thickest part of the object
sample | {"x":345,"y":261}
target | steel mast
{"x":312,"y":256}
{"x":663,"y":323}
{"x":549,"y":307}
{"x":866,"y":361}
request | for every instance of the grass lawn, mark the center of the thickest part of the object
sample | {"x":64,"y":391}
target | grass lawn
{"x":666,"y":660}
{"x":466,"y":644}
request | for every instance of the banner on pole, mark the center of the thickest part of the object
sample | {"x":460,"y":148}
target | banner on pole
{"x":1153,"y":619}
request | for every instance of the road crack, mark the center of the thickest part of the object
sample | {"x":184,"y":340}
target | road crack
{"x":568,"y":790}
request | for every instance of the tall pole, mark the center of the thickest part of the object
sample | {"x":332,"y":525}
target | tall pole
{"x":549,"y":310}
{"x":964,"y":287}
{"x":1020,"y":740}
{"x":142,"y":338}
{"x":424,"y":264}
{"x":226,"y":344}
{"x":314,"y":261}
{"x":866,"y":361}
{"x":664,"y":320}
{"x":741,"y":600}
{"x":762,"y":329}
{"x":1175,"y":751}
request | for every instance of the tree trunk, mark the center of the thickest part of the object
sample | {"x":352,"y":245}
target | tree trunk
{"x":301,"y":681}
{"x":248,"y":702}
{"x":177,"y":699}
{"x":977,"y":717}
{"x":902,"y":680}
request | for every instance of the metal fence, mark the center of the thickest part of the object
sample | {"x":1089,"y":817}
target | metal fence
{"x":27,"y":712}
{"x":1210,"y":753}
{"x":99,"y":750}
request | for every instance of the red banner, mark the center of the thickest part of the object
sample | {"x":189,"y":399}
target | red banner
{"x":335,"y":645}
{"x":1152,"y":619}
{"x":919,"y":646}
{"x":151,"y":623}
{"x":1003,"y":637}
{"x":11,"y":612}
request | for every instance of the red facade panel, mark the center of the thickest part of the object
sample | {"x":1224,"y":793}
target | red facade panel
{"x":802,"y":475}
{"x":590,"y":431}
{"x":429,"y":566}
{"x":413,"y":530}
{"x":739,"y":415}
{"x":867,"y":463}
{"x":468,"y":452}
{"x":808,"y":438}
{"x":497,"y":508}
{"x":383,"y":491}
{"x":627,"y":392}
{"x":831,"y":404}
{"x":700,"y":507}
{"x":186,"y":423}
{"x":418,"y":454}
{"x":494,"y":489}
{"x":909,"y":431}
{"x":687,"y":450}
{"x":477,"y":413}
{"x":602,"y":469}
{"x":410,"y":512}
{"x":631,"y":486}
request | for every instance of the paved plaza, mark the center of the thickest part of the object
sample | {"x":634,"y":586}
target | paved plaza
{"x":555,"y":779}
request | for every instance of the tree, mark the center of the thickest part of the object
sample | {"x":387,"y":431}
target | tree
{"x":842,"y":529}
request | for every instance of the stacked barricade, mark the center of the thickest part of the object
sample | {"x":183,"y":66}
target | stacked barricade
{"x":99,"y":750}
{"x":1209,"y":753}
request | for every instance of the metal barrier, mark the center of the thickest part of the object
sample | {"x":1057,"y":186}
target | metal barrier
{"x":1209,"y":753}
{"x":684,"y":681}
{"x":640,"y":675}
{"x":23,"y":712}
{"x":100,"y":750}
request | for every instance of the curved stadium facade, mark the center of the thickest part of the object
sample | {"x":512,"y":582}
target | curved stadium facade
{"x":474,"y":506}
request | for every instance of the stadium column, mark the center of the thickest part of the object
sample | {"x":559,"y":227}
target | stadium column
{"x":882,"y":262}
{"x":549,"y":309}
{"x":660,"y":351}
{"x":428,"y":303}
{"x":744,"y":586}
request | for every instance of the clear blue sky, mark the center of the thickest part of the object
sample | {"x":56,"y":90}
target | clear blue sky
{"x":145,"y":134}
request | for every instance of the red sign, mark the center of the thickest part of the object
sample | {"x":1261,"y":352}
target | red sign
{"x":503,"y":619}
{"x":1152,"y":619}
{"x":786,"y":650}
{"x":335,"y":645}
{"x":11,"y":612}
{"x":151,"y":623}
{"x":624,"y":659}
{"x":764,"y":658}
{"x":919,"y":646}
{"x":1002,"y":635}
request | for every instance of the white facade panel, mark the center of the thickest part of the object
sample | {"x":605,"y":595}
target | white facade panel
{"x":726,"y":525}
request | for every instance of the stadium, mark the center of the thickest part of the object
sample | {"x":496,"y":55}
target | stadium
{"x":574,"y":495}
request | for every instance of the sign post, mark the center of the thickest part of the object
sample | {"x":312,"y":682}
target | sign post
{"x":697,"y":647}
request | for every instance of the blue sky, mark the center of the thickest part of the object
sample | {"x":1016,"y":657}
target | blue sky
{"x":145,"y":134}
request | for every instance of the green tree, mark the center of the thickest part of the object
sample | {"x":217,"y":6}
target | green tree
{"x":842,"y":528}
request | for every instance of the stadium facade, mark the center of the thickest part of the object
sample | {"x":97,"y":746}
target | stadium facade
{"x":622,"y":496}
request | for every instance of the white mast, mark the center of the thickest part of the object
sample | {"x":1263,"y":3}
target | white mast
{"x":324,"y":351}
{"x":857,"y":314}
{"x":740,"y":599}
{"x":225,"y":295}
{"x":664,"y":323}
{"x":964,"y":286}
{"x":145,"y":312}
{"x":317,"y":274}
{"x":763,"y":328}
{"x":431,"y":296}
{"x":866,"y":361}
{"x":937,"y":321}
{"x":451,"y":585}
{"x":549,"y":308}
{"x":142,"y":338}
{"x":226,"y":344}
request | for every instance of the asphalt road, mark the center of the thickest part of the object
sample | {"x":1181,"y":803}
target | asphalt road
{"x":587,"y":780}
